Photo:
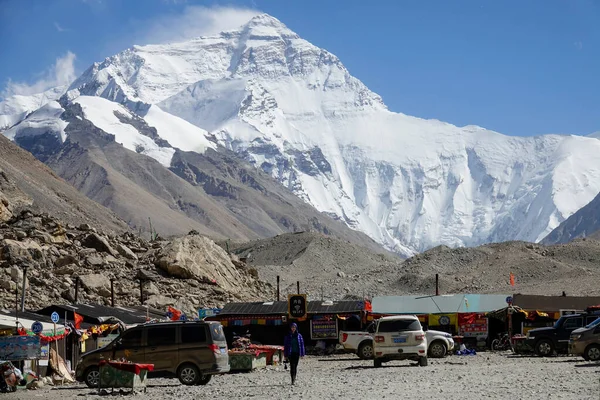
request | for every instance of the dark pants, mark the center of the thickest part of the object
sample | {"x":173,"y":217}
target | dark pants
{"x":294,"y":358}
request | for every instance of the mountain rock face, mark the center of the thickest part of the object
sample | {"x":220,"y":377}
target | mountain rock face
{"x":293,"y":111}
{"x":26,"y":182}
{"x":584,"y":223}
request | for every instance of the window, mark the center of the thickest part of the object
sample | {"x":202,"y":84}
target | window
{"x":595,"y":323}
{"x":371,"y":328}
{"x":193,"y":334}
{"x":216,"y":331}
{"x":131,"y":339}
{"x":590,"y":320}
{"x":573,"y":323}
{"x":161,"y":335}
{"x":399,"y":325}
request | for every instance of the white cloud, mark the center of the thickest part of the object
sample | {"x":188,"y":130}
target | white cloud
{"x":194,"y":21}
{"x":61,"y":73}
{"x":59,"y":28}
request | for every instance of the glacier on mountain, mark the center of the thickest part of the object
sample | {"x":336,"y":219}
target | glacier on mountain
{"x":293,"y":110}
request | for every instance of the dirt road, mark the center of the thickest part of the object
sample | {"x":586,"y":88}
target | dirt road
{"x":484,"y":376}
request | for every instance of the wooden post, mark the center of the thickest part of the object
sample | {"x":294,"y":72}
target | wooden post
{"x":112,"y":292}
{"x":23,"y":290}
{"x":277,"y":287}
{"x":298,"y":286}
{"x":76,"y":288}
{"x":141,"y":291}
{"x":437,"y":284}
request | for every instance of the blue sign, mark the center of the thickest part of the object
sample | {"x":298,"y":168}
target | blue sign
{"x":54,"y":317}
{"x":208,"y":312}
{"x":509,"y":300}
{"x":37,"y":327}
{"x":183,"y":317}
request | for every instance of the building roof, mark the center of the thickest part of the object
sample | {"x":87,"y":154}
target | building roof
{"x":444,"y":304}
{"x":554,"y":303}
{"x":281,"y":308}
{"x":99,"y":314}
{"x":26,"y":319}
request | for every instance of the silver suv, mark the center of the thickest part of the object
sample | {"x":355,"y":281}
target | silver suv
{"x":399,"y":338}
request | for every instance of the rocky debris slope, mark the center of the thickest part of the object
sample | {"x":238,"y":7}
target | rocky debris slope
{"x":538,"y":269}
{"x":27,"y":182}
{"x":188,"y":272}
{"x":325,"y":266}
{"x":335,"y":269}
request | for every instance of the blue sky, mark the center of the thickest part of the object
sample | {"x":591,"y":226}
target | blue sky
{"x":517,"y":67}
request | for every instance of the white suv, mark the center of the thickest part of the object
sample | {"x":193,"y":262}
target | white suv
{"x":399,"y":338}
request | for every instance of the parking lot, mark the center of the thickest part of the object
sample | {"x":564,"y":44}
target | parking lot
{"x":486,"y":375}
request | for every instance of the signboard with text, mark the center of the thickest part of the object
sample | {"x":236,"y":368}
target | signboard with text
{"x":15,"y":348}
{"x":297,"y":305}
{"x":321,"y":329}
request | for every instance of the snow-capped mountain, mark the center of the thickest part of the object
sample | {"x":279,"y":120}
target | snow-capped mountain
{"x":16,"y":107}
{"x":293,"y":110}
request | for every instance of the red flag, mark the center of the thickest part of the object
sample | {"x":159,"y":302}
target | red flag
{"x":175,"y":313}
{"x":78,"y":320}
{"x":512,"y":279}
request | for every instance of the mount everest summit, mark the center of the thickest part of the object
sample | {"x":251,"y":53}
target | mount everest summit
{"x":293,"y":111}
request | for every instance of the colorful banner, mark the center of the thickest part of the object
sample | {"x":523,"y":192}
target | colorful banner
{"x":323,"y":329}
{"x":442,"y":320}
{"x":14,"y":348}
{"x":472,"y":325}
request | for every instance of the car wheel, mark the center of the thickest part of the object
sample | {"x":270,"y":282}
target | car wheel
{"x":365,"y":351}
{"x":92,"y":377}
{"x":188,"y":374}
{"x":592,"y":353}
{"x":377,"y":362}
{"x":422,"y":361}
{"x":204,"y":379}
{"x":544,"y":348}
{"x":437,"y":349}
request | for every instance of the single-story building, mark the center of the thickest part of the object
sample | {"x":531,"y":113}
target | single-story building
{"x":458,"y":314}
{"x":268,"y":323}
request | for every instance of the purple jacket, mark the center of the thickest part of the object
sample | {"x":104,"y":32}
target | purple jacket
{"x":287,"y":345}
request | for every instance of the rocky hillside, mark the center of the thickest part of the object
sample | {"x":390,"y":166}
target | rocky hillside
{"x":584,"y":223}
{"x":26,"y":182}
{"x":325,"y":266}
{"x":336,"y":269}
{"x":538,"y":269}
{"x":188,"y":272}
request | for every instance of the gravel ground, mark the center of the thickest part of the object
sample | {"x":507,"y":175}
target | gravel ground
{"x":486,"y":375}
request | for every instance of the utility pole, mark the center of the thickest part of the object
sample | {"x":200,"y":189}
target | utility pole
{"x":23,"y":291}
{"x":298,"y":286}
{"x":277,"y":287}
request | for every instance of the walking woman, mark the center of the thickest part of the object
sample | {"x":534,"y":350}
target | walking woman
{"x":293,"y":349}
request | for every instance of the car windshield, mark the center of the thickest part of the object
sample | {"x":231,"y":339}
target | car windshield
{"x":558,"y":323}
{"x":594,"y":324}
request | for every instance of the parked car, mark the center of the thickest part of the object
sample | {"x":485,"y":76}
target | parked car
{"x":585,"y":341}
{"x":439,"y":343}
{"x":399,"y":338}
{"x":546,"y":341}
{"x":193,"y":351}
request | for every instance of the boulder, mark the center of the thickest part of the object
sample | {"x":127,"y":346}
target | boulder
{"x":14,"y":250}
{"x":96,"y":283}
{"x":64,"y":260}
{"x":95,"y":260}
{"x":200,"y":258}
{"x":126,"y":252}
{"x":159,"y":301}
{"x":100,"y":243}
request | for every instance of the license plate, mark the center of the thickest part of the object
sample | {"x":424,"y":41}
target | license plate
{"x":399,"y":340}
{"x":223,"y":351}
